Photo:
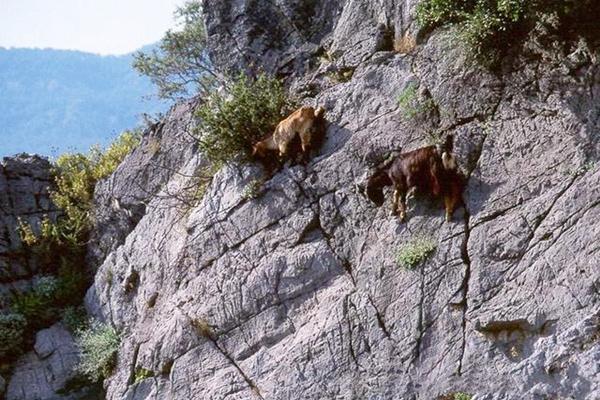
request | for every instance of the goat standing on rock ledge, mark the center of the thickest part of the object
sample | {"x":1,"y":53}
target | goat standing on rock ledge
{"x":299,"y":123}
{"x":428,"y":170}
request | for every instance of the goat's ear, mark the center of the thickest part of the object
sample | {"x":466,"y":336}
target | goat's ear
{"x":449,"y":143}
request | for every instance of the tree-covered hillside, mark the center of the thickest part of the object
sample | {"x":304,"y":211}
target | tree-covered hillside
{"x":55,"y":100}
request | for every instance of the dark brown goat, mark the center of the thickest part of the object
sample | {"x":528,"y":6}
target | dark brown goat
{"x":428,"y":170}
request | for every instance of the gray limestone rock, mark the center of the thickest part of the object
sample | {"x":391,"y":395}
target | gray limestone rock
{"x":49,"y":372}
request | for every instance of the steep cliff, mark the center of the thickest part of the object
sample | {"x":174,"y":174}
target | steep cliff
{"x":297,"y":293}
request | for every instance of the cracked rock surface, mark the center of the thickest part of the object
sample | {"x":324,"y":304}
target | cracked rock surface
{"x":24,"y":183}
{"x":298,"y":294}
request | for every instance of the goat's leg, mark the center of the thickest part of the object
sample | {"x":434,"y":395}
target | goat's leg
{"x":450,"y":201}
{"x":395,"y":202}
{"x":283,"y":149}
{"x":402,"y":204}
{"x":305,"y":139}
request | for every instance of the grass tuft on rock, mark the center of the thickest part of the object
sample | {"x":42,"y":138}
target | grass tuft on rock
{"x":415,"y":252}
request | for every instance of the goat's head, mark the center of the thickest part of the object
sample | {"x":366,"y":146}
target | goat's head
{"x":448,"y":159}
{"x":259,"y":150}
{"x":374,"y":186}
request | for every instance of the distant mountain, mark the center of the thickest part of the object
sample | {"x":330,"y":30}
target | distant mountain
{"x":52,"y":101}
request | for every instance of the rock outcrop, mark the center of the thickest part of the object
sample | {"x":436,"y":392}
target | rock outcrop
{"x":49,"y":371}
{"x":24,"y":195}
{"x":298,"y":294}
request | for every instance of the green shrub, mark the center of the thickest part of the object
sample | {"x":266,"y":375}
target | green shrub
{"x":415,"y":252}
{"x":36,"y":305}
{"x":74,"y":318}
{"x":229,"y":123}
{"x":142,"y":373}
{"x":12,"y":327}
{"x":488,"y":28}
{"x":432,"y":13}
{"x":409,"y":102}
{"x":72,"y":284}
{"x":76,"y":177}
{"x":46,"y":286}
{"x":252,"y":189}
{"x":98,"y":345}
{"x":462,"y":396}
{"x":59,"y":246}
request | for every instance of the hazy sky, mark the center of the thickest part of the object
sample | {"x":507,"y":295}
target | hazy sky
{"x":97,"y":26}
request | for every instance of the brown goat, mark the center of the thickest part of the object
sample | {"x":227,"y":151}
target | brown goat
{"x":428,"y":170}
{"x":298,"y":124}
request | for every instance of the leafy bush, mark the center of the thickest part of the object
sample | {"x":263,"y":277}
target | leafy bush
{"x":98,"y":345}
{"x":415,"y":252}
{"x":230,"y":122}
{"x":12,"y":327}
{"x":74,"y":318}
{"x":489,"y":27}
{"x":59,"y":246}
{"x":36,"y":305}
{"x":409,"y":102}
{"x":75,"y":177}
{"x":46,"y":286}
{"x":179,"y":66}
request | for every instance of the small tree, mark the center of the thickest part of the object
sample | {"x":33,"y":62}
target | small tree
{"x":179,"y":66}
{"x":230,"y":121}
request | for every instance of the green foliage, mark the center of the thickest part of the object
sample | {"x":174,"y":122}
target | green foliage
{"x":59,"y":246}
{"x":252,"y":189}
{"x":142,"y":373}
{"x":98,"y":345}
{"x":432,"y":13}
{"x":36,"y":305}
{"x":488,"y":28}
{"x":75,"y":178}
{"x":409,"y":102}
{"x":462,"y":396}
{"x":180,"y":67}
{"x":74,"y":318}
{"x":12,"y":327}
{"x":415,"y":252}
{"x":230,"y":122}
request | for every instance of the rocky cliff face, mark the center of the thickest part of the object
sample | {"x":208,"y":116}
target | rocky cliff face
{"x":24,"y":184}
{"x":297,"y":293}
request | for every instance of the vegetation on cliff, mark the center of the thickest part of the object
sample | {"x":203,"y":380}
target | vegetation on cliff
{"x":489,"y":28}
{"x":59,"y":244}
